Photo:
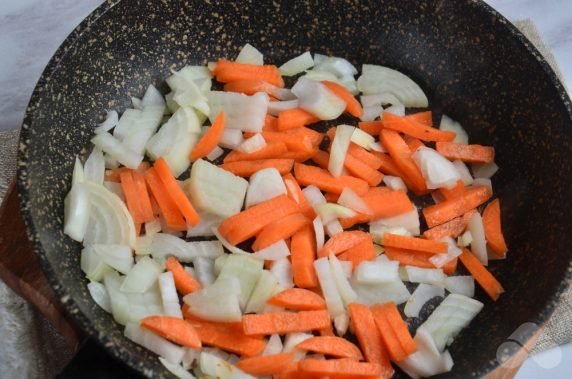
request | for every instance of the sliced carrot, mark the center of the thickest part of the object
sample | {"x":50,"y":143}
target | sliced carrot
{"x":322,"y":159}
{"x":248,"y":223}
{"x":466,"y":153}
{"x":335,"y":346}
{"x":294,"y":141}
{"x":184,"y":282}
{"x":295,"y":118}
{"x":384,"y":202}
{"x":425,"y":118}
{"x":143,"y":194}
{"x":250,"y":86}
{"x":343,"y":241}
{"x":267,"y":364}
{"x":371,"y":127}
{"x":368,"y":337}
{"x":361,"y":170}
{"x":138,"y":227}
{"x":300,"y":156}
{"x":328,"y":331}
{"x":413,"y":143}
{"x":365,"y":156}
{"x":493,"y":230}
{"x":456,"y":191}
{"x":209,"y":140}
{"x":452,"y":228}
{"x":415,"y":129}
{"x":339,"y":368}
{"x":449,"y":209}
{"x":412,"y":243}
{"x":314,"y":136}
{"x":270,"y":124}
{"x":417,"y":258}
{"x":332,"y":197}
{"x":132,"y":197}
{"x":271,"y":150}
{"x":401,"y":155}
{"x":363,"y":251}
{"x":113,"y":175}
{"x":298,"y":299}
{"x":353,"y":106}
{"x":285,"y":322}
{"x":303,"y":254}
{"x":295,"y":193}
{"x":482,"y":276}
{"x":279,"y":229}
{"x":388,"y":335}
{"x":169,"y":210}
{"x":360,"y":218}
{"x":387,"y":165}
{"x":398,"y":326}
{"x":174,"y":329}
{"x":247,"y":168}
{"x":224,"y":327}
{"x":232,"y":341}
{"x":227,"y":71}
{"x":308,"y":175}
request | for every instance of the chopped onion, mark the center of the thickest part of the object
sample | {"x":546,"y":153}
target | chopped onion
{"x":292,"y":340}
{"x":352,"y":200}
{"x":273,"y":346}
{"x":111,"y":119}
{"x":176,"y":369}
{"x":347,"y":267}
{"x":465,"y":239}
{"x":371,"y":112}
{"x":448,"y":124}
{"x":395,"y":183}
{"x":138,"y":133}
{"x":345,"y":290}
{"x":231,"y":138}
{"x":370,"y":294}
{"x":246,"y":269}
{"x":479,"y":243}
{"x":169,"y":295}
{"x":275,"y":107}
{"x":422,"y":294}
{"x":153,"y":342}
{"x":153,"y":98}
{"x":319,"y":233}
{"x":483,"y":182}
{"x":372,"y":272}
{"x":274,"y":252}
{"x":376,"y":146}
{"x":127,"y":119}
{"x":384,"y":98}
{"x":330,"y":211}
{"x":396,"y":109}
{"x":317,"y":99}
{"x":77,"y":206}
{"x":136,"y":102}
{"x":464,"y":173}
{"x":437,"y":170}
{"x":117,"y":256}
{"x":408,"y":220}
{"x":215,"y":153}
{"x":378,"y":231}
{"x":92,"y":265}
{"x":117,"y":190}
{"x":204,"y":270}
{"x":186,"y":90}
{"x":314,"y":196}
{"x":99,"y":294}
{"x":329,"y":287}
{"x":462,"y":285}
{"x":250,"y":55}
{"x":78,"y":175}
{"x":252,"y":144}
{"x":297,"y":65}
{"x":216,"y":302}
{"x":378,"y":79}
{"x":433,"y":276}
{"x":282,"y":270}
{"x":246,"y":113}
{"x":114,"y":148}
{"x":142,"y":276}
{"x":266,"y":286}
{"x":120,"y":307}
{"x":163,"y":245}
{"x":292,"y":188}
{"x":339,"y":148}
{"x":484,"y":170}
{"x":361,"y":138}
{"x":264,"y":185}
{"x":333,"y":227}
{"x":230,"y":247}
{"x":441,"y":259}
{"x":425,"y":362}
{"x":282,"y":94}
{"x":341,"y":324}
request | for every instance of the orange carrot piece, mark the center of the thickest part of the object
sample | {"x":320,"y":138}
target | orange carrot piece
{"x":371,"y":127}
{"x":353,"y":106}
{"x":449,"y":209}
{"x":456,"y":191}
{"x":335,"y":346}
{"x":387,"y":165}
{"x":298,"y":299}
{"x":398,"y":326}
{"x":417,"y":258}
{"x":493,"y":230}
{"x":176,"y":193}
{"x":270,"y":124}
{"x":303,"y":254}
{"x":249,"y":222}
{"x":363,"y":251}
{"x":184,"y":282}
{"x":284,"y":322}
{"x":466,"y":153}
{"x":169,"y":210}
{"x":327,"y":331}
{"x":401,"y":155}
{"x":300,"y":156}
{"x":339,"y":368}
{"x":425,"y":118}
{"x":295,"y":118}
{"x":389,"y":336}
{"x":384,"y":202}
{"x":223,"y":327}
{"x":348,"y":222}
{"x":413,"y":143}
{"x":271,"y":150}
{"x":365,"y":156}
{"x":267,"y":364}
{"x":143,"y":194}
{"x":174,"y":329}
{"x":209,"y":140}
{"x":452,"y":228}
{"x":368,"y":337}
{"x":307,"y":175}
{"x":482,"y":276}
{"x":315,"y":137}
{"x":279,"y":229}
{"x":113,"y":175}
{"x":232,"y":341}
{"x":132,"y":197}
{"x":343,"y":241}
{"x":300,"y":141}
{"x":415,"y":129}
{"x":322,"y":159}
{"x":295,"y":193}
{"x":332,"y":197}
{"x":361,"y":170}
{"x":250,"y":86}
{"x":247,"y":168}
{"x":226,"y":71}
{"x":412,"y":243}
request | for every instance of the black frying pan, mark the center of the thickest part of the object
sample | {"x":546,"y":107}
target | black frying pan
{"x":472,"y":63}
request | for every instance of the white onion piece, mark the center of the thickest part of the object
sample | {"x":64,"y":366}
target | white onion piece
{"x":376,"y":146}
{"x":216,"y":302}
{"x":215,"y":153}
{"x":462,"y":285}
{"x":484,"y":170}
{"x":187,"y":91}
{"x":483,"y":182}
{"x":341,"y":324}
{"x":176,"y":369}
{"x":153,"y":97}
{"x":314,"y":196}
{"x":333,"y":227}
{"x":78,"y":175}
{"x":379,"y":79}
{"x":385,"y":98}
{"x":378,"y":231}
{"x":274,"y":252}
{"x":136,"y":103}
{"x":246,"y":113}
{"x":153,"y":342}
{"x":126,"y":121}
{"x":273,"y":346}
{"x":441,"y":259}
{"x":319,"y":232}
{"x":120,"y":307}
{"x":282,"y":94}
{"x":275,"y":107}
{"x":371,"y":112}
{"x":114,"y":148}
{"x":345,"y":290}
{"x":142,"y":276}
{"x":408,"y":221}
{"x":377,"y":272}
{"x":337,"y":66}
{"x":117,"y":256}
{"x":396,"y":109}
{"x":252,"y":144}
{"x":292,"y":340}
{"x":139,"y":133}
{"x":77,"y":207}
{"x":164,"y":245}
{"x":437,"y":170}
{"x":292,"y":188}
{"x":250,"y":55}
{"x":110,"y":162}
{"x":266,"y":286}
{"x":347,"y":267}
{"x":92,"y":265}
{"x":216,"y":367}
{"x":426,"y":275}
{"x":216,"y":352}
{"x":320,"y":76}
{"x":479,"y":243}
{"x":329,"y":288}
{"x":317,"y":99}
{"x":425,"y":362}
{"x":422,"y":294}
{"x":282,"y":270}
{"x":370,"y":294}
{"x":231,"y":138}
{"x":191,"y":356}
{"x":395,"y":183}
{"x":297,"y":65}
{"x":244,"y":268}
{"x":361,"y":138}
{"x":99,"y":294}
{"x":230,"y":247}
{"x":339,"y":148}
{"x":330,"y":211}
{"x":172,"y":105}
{"x":205,"y":227}
{"x":263,"y":186}
{"x":169,"y":295}
{"x":449,"y":125}
{"x":204,"y":270}
{"x":117,"y":190}
{"x":465,"y":239}
{"x":349,"y":199}
{"x":463,"y":171}
{"x":111,"y":119}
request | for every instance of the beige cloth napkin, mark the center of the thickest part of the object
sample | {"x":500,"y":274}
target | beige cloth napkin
{"x":39,"y":352}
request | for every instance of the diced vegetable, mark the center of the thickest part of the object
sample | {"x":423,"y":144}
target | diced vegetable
{"x":422,"y":294}
{"x":264,"y":185}
{"x":297,"y":65}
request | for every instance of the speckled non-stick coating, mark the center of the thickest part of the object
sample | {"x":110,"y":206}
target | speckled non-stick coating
{"x":472,"y":63}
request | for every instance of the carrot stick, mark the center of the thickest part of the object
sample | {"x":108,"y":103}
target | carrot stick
{"x":456,"y":191}
{"x":247,"y":168}
{"x":348,"y":222}
{"x":415,"y":129}
{"x":295,"y":118}
{"x":315,"y":137}
{"x":143,"y":195}
{"x":365,"y":156}
{"x":401,"y":155}
{"x":343,"y":241}
{"x":385,"y":202}
{"x":271,"y":150}
{"x":339,"y":368}
{"x":226,"y":71}
{"x":176,"y":193}
{"x":361,"y":170}
{"x":398,"y":326}
{"x":169,"y":210}
{"x":412,"y":243}
{"x":279,"y":229}
{"x":452,"y":228}
{"x":209,"y":140}
{"x":174,"y":329}
{"x":249,"y":222}
{"x":307,"y":175}
{"x":363,"y":251}
{"x":295,"y":193}
{"x":303,"y":254}
{"x":335,"y":346}
{"x":493,"y":230}
{"x":371,"y":127}
{"x":482,"y":276}
{"x":250,"y":86}
{"x":267,"y":364}
{"x":299,"y":141}
{"x":285,"y":322}
{"x":321,"y":158}
{"x":332,"y":197}
{"x":223,"y":327}
{"x":425,"y":118}
{"x":113,"y":175}
{"x":387,"y":165}
{"x":413,"y":143}
{"x":389,"y":336}
{"x":184,"y":282}
{"x":449,"y":209}
{"x":300,"y":156}
{"x":132,"y":197}
{"x":417,"y":258}
{"x":466,"y":153}
{"x":353,"y":106}
{"x":298,"y":299}
{"x":368,"y":337}
{"x":270,"y":124}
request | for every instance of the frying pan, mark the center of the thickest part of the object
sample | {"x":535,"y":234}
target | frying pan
{"x":472,"y":63}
